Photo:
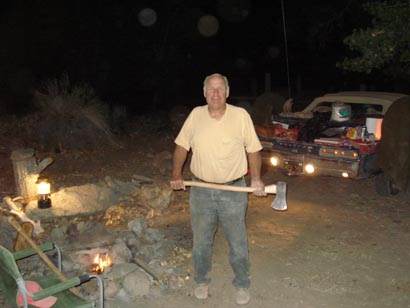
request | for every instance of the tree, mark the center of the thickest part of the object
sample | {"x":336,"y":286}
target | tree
{"x":385,"y":46}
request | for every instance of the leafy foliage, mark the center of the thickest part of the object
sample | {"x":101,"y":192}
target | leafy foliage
{"x":385,"y":45}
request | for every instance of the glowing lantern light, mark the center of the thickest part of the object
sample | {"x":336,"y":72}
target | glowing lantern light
{"x":43,"y":193}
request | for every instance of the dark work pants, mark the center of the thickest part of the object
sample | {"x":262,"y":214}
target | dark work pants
{"x":207,"y":206}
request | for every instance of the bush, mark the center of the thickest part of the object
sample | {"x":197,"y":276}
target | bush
{"x":70,"y":116}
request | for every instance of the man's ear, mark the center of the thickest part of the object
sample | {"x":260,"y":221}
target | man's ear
{"x":227,"y":92}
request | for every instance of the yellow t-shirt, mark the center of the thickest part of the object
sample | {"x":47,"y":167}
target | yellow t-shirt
{"x":219,"y":146}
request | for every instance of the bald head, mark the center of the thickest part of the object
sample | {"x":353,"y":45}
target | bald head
{"x":216,"y":75}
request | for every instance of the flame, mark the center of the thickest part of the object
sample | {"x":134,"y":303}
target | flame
{"x":101,"y":262}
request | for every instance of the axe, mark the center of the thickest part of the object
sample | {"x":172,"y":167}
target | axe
{"x":279,"y":203}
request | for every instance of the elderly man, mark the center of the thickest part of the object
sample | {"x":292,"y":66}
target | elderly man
{"x":223,"y":142}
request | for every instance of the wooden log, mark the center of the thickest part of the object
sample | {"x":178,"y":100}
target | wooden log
{"x":26,"y":171}
{"x":20,"y":243}
{"x":41,"y":254}
{"x":18,"y":211}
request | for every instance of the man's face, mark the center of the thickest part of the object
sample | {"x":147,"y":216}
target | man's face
{"x":215,"y":92}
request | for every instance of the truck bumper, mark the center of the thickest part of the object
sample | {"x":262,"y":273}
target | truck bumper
{"x":303,"y":164}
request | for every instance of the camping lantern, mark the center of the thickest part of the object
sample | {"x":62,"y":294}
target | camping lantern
{"x":43,"y":194}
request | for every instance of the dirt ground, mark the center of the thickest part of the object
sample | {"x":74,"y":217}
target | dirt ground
{"x":338,"y":245}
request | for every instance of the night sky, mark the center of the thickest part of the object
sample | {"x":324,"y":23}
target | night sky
{"x":154,"y":54}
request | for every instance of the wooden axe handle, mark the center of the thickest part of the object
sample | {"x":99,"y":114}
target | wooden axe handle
{"x":270,"y":189}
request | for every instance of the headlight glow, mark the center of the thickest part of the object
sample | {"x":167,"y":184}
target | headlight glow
{"x":309,"y":168}
{"x":274,"y":161}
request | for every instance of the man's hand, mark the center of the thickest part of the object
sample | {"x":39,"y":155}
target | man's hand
{"x":255,"y":166}
{"x":259,"y":188}
{"x":177,"y":182}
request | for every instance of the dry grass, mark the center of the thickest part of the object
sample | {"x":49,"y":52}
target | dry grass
{"x":71,"y":116}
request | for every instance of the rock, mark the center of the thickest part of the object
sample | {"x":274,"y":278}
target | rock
{"x":133,"y":242}
{"x":58,"y":234}
{"x":153,"y":236}
{"x":119,"y":271}
{"x":111,"y":288}
{"x":84,"y":199}
{"x":120,"y":253}
{"x":136,"y":284}
{"x":155,"y":197}
{"x":138,"y":226}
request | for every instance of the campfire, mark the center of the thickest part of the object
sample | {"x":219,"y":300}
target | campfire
{"x":101,"y":261}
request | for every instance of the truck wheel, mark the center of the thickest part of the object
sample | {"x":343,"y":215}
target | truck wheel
{"x":385,"y":186}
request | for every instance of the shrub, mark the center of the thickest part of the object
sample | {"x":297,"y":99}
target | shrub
{"x":70,"y":116}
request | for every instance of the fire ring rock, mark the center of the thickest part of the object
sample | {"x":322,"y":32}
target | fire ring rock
{"x":155,"y":197}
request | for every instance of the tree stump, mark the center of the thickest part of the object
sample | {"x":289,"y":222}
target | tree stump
{"x":26,"y":171}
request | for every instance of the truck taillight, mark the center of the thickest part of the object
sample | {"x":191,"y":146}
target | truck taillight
{"x":329,"y":152}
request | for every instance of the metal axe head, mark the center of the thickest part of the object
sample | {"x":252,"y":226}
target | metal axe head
{"x":279,"y":203}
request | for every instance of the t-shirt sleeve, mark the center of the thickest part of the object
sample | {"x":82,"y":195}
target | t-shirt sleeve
{"x":184,"y":136}
{"x":252,"y":143}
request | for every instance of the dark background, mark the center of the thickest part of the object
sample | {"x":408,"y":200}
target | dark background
{"x":104,"y":44}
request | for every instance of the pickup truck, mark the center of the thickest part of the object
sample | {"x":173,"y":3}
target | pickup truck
{"x":337,"y":134}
